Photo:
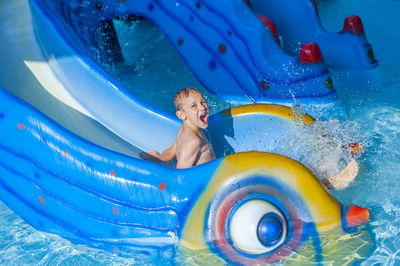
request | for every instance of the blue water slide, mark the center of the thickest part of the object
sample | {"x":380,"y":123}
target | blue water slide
{"x":226,"y":46}
{"x":62,"y":184}
{"x":297,"y":22}
{"x":103,"y":98}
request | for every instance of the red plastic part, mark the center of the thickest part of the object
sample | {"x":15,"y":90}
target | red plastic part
{"x":310,"y":53}
{"x":270,"y":25}
{"x":356,"y":216}
{"x":353,"y":24}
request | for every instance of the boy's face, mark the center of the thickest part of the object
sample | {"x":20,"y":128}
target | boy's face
{"x":194,"y":110}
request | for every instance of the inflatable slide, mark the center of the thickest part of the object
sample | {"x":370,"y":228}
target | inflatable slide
{"x":228,"y":49}
{"x":245,"y":207}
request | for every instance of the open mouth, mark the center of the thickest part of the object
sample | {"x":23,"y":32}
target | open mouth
{"x":204,"y":117}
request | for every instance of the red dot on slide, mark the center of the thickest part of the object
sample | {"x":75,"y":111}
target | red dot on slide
{"x":162,"y":186}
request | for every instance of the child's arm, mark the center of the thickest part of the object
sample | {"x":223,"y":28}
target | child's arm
{"x":189,"y":155}
{"x":166,"y":155}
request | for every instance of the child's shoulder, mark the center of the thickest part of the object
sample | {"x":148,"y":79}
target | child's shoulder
{"x":188,"y":134}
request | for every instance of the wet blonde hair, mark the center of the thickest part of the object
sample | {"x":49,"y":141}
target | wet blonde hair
{"x":183,"y":94}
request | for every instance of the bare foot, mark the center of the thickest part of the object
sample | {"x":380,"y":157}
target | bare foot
{"x":344,"y":178}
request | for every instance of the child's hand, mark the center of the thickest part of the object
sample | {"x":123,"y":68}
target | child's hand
{"x":152,"y":156}
{"x":154,"y":153}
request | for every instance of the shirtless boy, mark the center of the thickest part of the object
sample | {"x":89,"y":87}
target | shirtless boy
{"x":192,"y":148}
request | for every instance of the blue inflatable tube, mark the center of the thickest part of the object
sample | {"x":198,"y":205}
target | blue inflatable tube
{"x":64,"y":185}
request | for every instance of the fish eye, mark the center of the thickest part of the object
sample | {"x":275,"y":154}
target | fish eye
{"x":257,"y":227}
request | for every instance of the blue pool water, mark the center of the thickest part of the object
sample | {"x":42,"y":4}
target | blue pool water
{"x":374,"y":119}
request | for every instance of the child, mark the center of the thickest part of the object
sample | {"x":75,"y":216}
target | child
{"x":192,"y":148}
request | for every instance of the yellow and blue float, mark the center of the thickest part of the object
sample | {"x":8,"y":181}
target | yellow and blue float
{"x":245,"y":208}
